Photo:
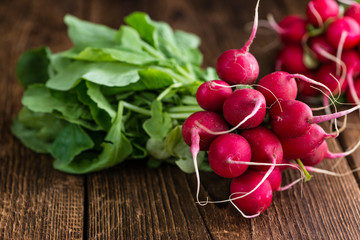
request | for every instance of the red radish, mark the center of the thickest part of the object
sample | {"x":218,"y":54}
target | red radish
{"x":226,"y":147}
{"x":265,"y":146}
{"x":274,"y":178}
{"x":199,"y":139}
{"x":351,"y":59}
{"x":291,"y":28}
{"x":239,"y":66}
{"x":212,"y":94}
{"x":291,"y":59}
{"x":318,"y":11}
{"x":319,"y":46}
{"x":210,"y":120}
{"x":322,"y":152}
{"x":316,"y":156}
{"x":241,"y":104}
{"x":305,"y":89}
{"x":327,"y":75}
{"x":256,"y":202}
{"x":277,"y":85}
{"x":353,"y":11}
{"x":299,"y":147}
{"x":344,"y":25}
{"x":293,"y":118}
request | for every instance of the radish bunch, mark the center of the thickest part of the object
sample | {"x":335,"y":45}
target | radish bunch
{"x":324,"y":46}
{"x":251,"y":132}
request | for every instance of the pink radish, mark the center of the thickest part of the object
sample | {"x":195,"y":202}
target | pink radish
{"x":353,"y":11}
{"x":293,"y":118}
{"x":351,"y":59}
{"x":319,"y":45}
{"x":274,"y":178}
{"x":277,"y":85}
{"x":305,"y":89}
{"x":318,"y":11}
{"x":299,"y":147}
{"x":344,"y":25}
{"x":212,"y":94}
{"x":291,"y":28}
{"x":239,"y":66}
{"x":291,"y":59}
{"x":265,"y":146}
{"x":240,"y":104}
{"x":210,"y":120}
{"x":199,"y":139}
{"x":256,"y":202}
{"x":227,"y":147}
{"x":322,"y":152}
{"x":327,"y":75}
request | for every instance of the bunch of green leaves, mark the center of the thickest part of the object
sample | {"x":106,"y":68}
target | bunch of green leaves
{"x":115,"y":95}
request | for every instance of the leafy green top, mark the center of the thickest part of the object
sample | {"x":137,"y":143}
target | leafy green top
{"x":115,"y":95}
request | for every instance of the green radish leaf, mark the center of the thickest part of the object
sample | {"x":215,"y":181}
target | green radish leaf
{"x":115,"y":149}
{"x":32,"y":67}
{"x":156,"y":148}
{"x":28,"y":137}
{"x":85,"y":33}
{"x":40,"y":99}
{"x":187,"y":40}
{"x":150,"y":79}
{"x":172,"y":140}
{"x":142,"y":23}
{"x":100,"y":116}
{"x":110,"y":54}
{"x":36,"y":130}
{"x":96,"y":95}
{"x":184,"y":158}
{"x":158,"y":126}
{"x":128,"y":38}
{"x":103,"y":73}
{"x":70,"y":142}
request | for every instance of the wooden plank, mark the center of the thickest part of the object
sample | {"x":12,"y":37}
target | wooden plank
{"x":349,"y":138}
{"x":36,"y":202}
{"x":133,"y":202}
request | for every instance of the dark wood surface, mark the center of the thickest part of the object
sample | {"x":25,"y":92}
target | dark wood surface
{"x":131,"y":201}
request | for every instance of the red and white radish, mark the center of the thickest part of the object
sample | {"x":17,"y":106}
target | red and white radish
{"x":345,"y":25}
{"x":240,"y":104}
{"x":276,"y":86}
{"x":212,"y":94}
{"x":225,"y":150}
{"x":293,"y":118}
{"x":239,"y":66}
{"x":299,"y":147}
{"x":256,"y":202}
{"x":265,"y":147}
{"x":319,"y":11}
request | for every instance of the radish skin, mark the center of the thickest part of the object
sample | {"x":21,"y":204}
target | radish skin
{"x":265,"y":146}
{"x":226,"y":147}
{"x":240,"y":104}
{"x":211,"y":95}
{"x":297,"y":148}
{"x":256,"y":202}
{"x":239,"y":66}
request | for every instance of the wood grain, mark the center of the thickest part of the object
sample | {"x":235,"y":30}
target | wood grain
{"x":36,"y":202}
{"x":131,"y":201}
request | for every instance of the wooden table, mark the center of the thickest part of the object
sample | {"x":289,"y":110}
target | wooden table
{"x":131,"y":201}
